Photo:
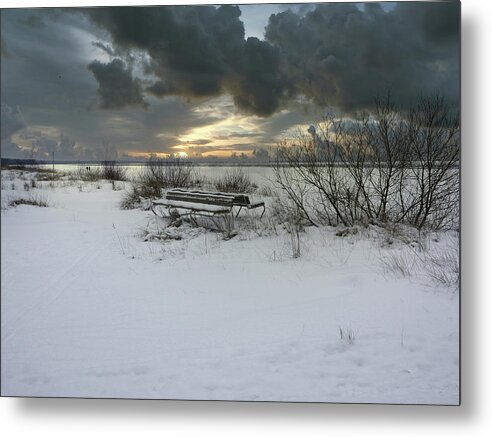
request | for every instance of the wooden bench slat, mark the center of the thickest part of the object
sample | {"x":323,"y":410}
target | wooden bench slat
{"x":197,"y":193}
{"x":201,"y":199}
{"x":215,"y":209}
{"x":237,"y":199}
{"x":206,"y":202}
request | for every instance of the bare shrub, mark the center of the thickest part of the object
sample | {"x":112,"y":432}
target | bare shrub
{"x":139,"y":191}
{"x":175,"y":173}
{"x":347,"y":334}
{"x":434,"y":141}
{"x":296,"y":192}
{"x":387,"y":166}
{"x":130,"y":199}
{"x":148,"y":188}
{"x":235,"y":181}
{"x":112,"y":172}
{"x":156,"y":176}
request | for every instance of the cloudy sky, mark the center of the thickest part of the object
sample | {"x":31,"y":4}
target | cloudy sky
{"x":101,"y":83}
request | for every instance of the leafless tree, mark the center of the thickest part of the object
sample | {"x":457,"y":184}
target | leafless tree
{"x":434,"y":145}
{"x":389,"y":165}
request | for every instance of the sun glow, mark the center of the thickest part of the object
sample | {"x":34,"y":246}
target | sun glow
{"x":234,"y":133}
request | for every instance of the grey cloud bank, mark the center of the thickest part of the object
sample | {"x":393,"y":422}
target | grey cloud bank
{"x":341,"y":55}
{"x":198,"y":51}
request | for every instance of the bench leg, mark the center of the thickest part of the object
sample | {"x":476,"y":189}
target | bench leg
{"x":193,"y":219}
{"x":239,"y":210}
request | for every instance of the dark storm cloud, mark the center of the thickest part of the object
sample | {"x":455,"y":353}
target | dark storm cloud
{"x":344,"y":55}
{"x":117,"y":88}
{"x":259,"y":87}
{"x":438,"y":21}
{"x":199,"y":51}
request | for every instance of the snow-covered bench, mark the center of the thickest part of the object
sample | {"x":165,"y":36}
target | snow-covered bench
{"x":203,"y":202}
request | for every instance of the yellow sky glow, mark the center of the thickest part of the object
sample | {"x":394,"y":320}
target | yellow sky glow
{"x":229,"y":133}
{"x":221,"y":136}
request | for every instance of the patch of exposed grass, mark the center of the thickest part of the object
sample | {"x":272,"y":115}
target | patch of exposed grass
{"x":32,"y":200}
{"x":444,"y":268}
{"x":399,"y":264}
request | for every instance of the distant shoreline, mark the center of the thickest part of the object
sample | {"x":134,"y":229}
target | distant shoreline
{"x":32,"y":162}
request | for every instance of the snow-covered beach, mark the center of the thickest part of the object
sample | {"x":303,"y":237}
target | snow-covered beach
{"x":92,"y":309}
